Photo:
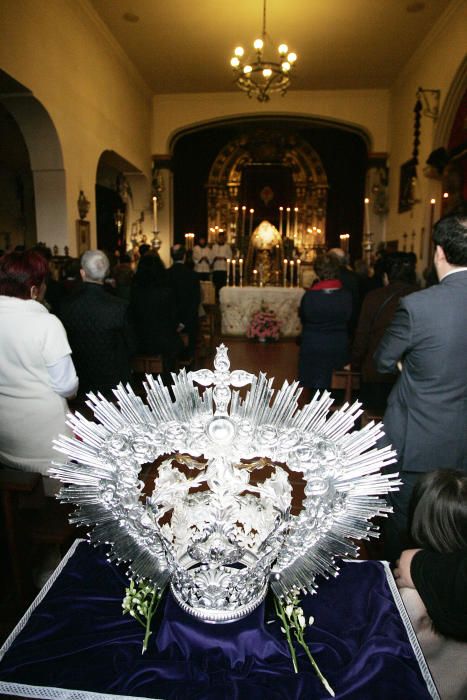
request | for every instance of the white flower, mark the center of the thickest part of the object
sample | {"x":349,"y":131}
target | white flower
{"x":289,"y":610}
{"x":311,"y":619}
{"x":302,"y":621}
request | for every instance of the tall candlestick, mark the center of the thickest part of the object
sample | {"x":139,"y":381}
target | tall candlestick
{"x":154,"y":214}
{"x":233,"y":272}
{"x":243,"y":220}
{"x":432,"y":213}
{"x":255,"y":277}
{"x":292,"y":268}
{"x":284,"y":272}
{"x":236,"y":221}
{"x":287,"y":230}
{"x":228,"y":271}
{"x":240,"y":271}
{"x":367,"y":215}
{"x":299,"y":262}
{"x":252,"y":211}
{"x":281,"y":214}
{"x":295,"y":224}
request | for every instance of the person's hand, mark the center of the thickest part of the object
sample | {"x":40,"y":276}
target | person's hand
{"x":402,"y":570}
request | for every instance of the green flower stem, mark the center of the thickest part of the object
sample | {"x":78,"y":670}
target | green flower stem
{"x":297,"y":626}
{"x":302,"y":642}
{"x":280,"y":612}
{"x":155,"y":600}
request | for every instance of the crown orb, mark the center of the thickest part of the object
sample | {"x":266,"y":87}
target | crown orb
{"x":221,"y":430}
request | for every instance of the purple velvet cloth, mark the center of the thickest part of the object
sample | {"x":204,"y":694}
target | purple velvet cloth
{"x":77,"y":638}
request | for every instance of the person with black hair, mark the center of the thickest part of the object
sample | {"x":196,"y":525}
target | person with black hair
{"x":378,"y":309}
{"x":426,"y":416}
{"x":187,"y":292}
{"x":432,"y":576}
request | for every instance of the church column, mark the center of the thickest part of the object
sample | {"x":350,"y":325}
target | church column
{"x":162,"y":188}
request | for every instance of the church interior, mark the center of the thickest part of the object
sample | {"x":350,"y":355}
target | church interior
{"x":138,"y":123}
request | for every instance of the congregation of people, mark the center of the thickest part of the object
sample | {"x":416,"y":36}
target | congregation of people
{"x":61,"y":340}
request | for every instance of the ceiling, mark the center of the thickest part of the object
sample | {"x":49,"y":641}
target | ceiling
{"x":185,"y":45}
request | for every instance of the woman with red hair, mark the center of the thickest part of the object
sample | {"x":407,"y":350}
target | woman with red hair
{"x":36,"y":370}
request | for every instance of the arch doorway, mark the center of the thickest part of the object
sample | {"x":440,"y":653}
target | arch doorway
{"x":36,"y":167}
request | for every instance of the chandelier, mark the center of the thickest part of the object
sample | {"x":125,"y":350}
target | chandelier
{"x":258,"y":76}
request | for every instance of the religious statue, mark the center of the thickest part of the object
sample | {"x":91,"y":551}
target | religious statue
{"x":265,"y":255}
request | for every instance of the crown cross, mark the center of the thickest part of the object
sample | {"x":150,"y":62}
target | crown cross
{"x":222,"y":379}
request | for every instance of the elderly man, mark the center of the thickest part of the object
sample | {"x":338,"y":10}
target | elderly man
{"x":426,"y":416}
{"x":98,"y":330}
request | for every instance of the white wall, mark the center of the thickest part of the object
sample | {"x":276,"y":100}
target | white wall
{"x":62,"y":52}
{"x":366,"y":109}
{"x":433,"y":66}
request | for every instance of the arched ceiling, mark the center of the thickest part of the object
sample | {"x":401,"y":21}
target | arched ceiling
{"x":185,"y":45}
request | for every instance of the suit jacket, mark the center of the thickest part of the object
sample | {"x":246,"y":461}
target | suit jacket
{"x":101,"y":339}
{"x":426,"y":416}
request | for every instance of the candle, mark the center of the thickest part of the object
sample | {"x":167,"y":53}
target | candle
{"x":236,"y":219}
{"x":228,"y":271}
{"x":287,"y":230}
{"x":240,"y":270}
{"x":291,"y":273}
{"x":299,"y":262}
{"x":189,"y":240}
{"x":284,"y":273}
{"x":243,"y":220}
{"x":281,"y":214}
{"x":154,"y":214}
{"x":295,"y":223}
{"x":367,"y":215}
{"x":255,"y":277}
{"x":252,"y":211}
{"x":432,"y":213}
{"x":233,"y":271}
{"x":344,"y":239}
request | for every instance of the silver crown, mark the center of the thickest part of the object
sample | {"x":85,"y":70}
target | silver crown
{"x":221,"y":529}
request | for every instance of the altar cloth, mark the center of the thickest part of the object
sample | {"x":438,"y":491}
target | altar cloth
{"x":74,"y":643}
{"x":238,"y":304}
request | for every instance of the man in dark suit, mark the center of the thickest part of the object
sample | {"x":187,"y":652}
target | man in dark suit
{"x":426,"y":416}
{"x":187,"y":291}
{"x":99,"y":333}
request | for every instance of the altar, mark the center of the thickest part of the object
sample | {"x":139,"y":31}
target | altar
{"x":238,"y":304}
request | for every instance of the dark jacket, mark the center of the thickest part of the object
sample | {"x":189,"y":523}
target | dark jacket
{"x":100,"y":336}
{"x":378,"y":309}
{"x":325,"y":314}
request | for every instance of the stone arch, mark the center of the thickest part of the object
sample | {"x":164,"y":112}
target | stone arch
{"x":46,"y":159}
{"x":450,"y":106}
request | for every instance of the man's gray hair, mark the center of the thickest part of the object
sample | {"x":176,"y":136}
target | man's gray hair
{"x":95,"y":264}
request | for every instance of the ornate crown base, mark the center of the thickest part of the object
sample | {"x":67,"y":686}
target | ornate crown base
{"x":220,"y":616}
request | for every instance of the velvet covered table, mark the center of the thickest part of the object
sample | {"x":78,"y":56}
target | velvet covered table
{"x":74,"y":643}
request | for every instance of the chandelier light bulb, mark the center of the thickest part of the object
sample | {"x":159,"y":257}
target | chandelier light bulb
{"x":267,"y":72}
{"x":235,"y":62}
{"x":286,"y":66}
{"x":292,"y":57}
{"x":258,"y":44}
{"x":239,"y":51}
{"x":247,"y":69}
{"x":283,"y":48}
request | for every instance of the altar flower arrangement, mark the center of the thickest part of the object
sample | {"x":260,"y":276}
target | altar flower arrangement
{"x":264,"y":325}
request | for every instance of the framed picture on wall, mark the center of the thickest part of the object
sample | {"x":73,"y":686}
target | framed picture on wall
{"x":408,"y":172}
{"x":83,"y":236}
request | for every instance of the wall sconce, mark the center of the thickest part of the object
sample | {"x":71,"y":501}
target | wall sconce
{"x":430,"y":100}
{"x":83,"y":205}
